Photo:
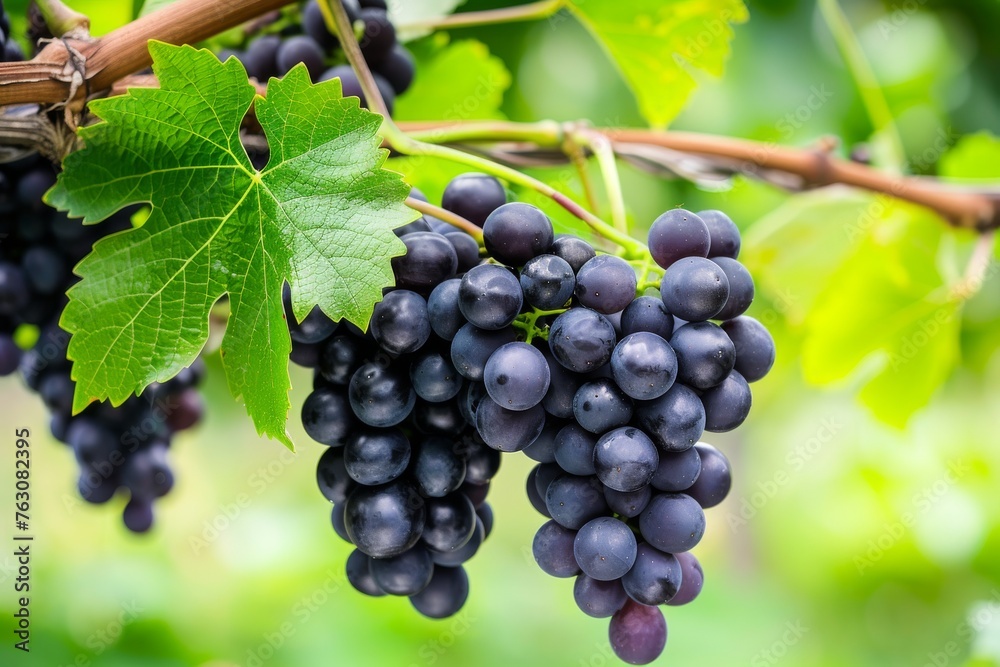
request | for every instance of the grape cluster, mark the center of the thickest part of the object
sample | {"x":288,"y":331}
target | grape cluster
{"x":124,"y":447}
{"x":10,"y":50}
{"x":310,"y":43}
{"x":542,"y":347}
{"x":406,"y":473}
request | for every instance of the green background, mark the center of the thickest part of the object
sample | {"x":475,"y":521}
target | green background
{"x":845,"y":541}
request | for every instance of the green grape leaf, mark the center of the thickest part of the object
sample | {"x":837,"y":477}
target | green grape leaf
{"x":886,"y":315}
{"x":658,"y":43}
{"x":403,"y":14}
{"x":457,"y":81}
{"x":320,"y":216}
{"x":974,"y":156}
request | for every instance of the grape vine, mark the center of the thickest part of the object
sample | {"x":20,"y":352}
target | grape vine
{"x":252,"y":180}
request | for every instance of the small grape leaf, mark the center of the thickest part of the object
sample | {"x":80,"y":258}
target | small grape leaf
{"x":319,"y":216}
{"x":457,"y":81}
{"x":656,"y":44}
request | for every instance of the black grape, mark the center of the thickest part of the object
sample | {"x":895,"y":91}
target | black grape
{"x":517,"y":376}
{"x":474,"y":196}
{"x":678,"y":234}
{"x":677,"y":471}
{"x":327,"y":417}
{"x":692,"y":580}
{"x":508,"y":430}
{"x":625,"y":459}
{"x":741,"y":288}
{"x":376,"y":456}
{"x":472,"y":348}
{"x":573,"y":501}
{"x":598,"y":599}
{"x":638,"y":633}
{"x":573,"y":250}
{"x":398,"y":69}
{"x":490,"y":297}
{"x":406,"y":574}
{"x":430,"y":259}
{"x":647,"y":313}
{"x":695,"y":289}
{"x":547,"y":281}
{"x":360,"y":576}
{"x":606,"y":283}
{"x":553,"y":550}
{"x":450,"y":522}
{"x":705,"y":354}
{"x":445,"y":595}
{"x":379,"y":35}
{"x":381,"y":396}
{"x":600,"y":406}
{"x":728,"y":404}
{"x":385,"y":521}
{"x":715,"y":480}
{"x":754,"y":347}
{"x":443,"y":309}
{"x":605,"y":548}
{"x":516,"y":232}
{"x":300,"y":49}
{"x":644,"y":365}
{"x":724,"y":234}
{"x":655,"y":578}
{"x":582,"y":340}
{"x":574,"y":450}
{"x":672,"y":522}
{"x":400,"y":323}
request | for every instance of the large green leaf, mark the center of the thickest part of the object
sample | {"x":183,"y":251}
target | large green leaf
{"x":457,"y":81}
{"x":887,"y":311}
{"x":657,"y":43}
{"x":319,"y":216}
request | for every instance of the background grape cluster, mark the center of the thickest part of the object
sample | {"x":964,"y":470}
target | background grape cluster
{"x":116,"y":448}
{"x":309,"y":42}
{"x":10,"y":50}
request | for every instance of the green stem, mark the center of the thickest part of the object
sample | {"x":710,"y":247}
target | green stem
{"x":451,"y":218}
{"x":529,"y":12}
{"x":861,"y":71}
{"x":544,"y":133}
{"x":601,"y":146}
{"x":527,"y":323}
{"x":63,"y":21}
{"x":337,"y":21}
{"x":579,"y":160}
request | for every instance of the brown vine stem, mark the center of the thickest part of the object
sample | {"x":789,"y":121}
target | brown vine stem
{"x":962,"y":207}
{"x":49,"y":77}
{"x":449,"y":217}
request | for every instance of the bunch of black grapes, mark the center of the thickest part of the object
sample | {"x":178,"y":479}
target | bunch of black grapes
{"x":310,"y":43}
{"x":543,"y":346}
{"x":116,"y":448}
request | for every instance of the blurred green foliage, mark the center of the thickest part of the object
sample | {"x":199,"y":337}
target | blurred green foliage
{"x":864,"y":525}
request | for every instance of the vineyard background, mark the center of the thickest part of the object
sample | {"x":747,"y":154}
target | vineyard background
{"x":862,"y":530}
